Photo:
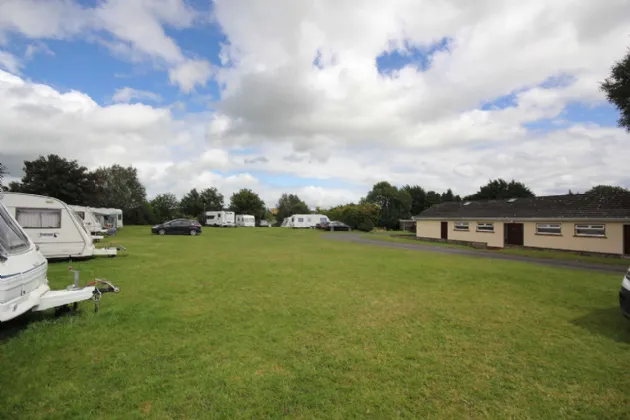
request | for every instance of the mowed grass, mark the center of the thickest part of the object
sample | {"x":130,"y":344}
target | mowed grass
{"x":273,"y":323}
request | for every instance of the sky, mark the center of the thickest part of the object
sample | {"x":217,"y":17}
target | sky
{"x":321,"y":99}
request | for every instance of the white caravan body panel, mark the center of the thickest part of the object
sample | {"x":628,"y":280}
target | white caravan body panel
{"x":307,"y":220}
{"x":220,"y":218}
{"x":22,"y":269}
{"x":89,"y":219}
{"x":245,"y":220}
{"x":51,"y":224}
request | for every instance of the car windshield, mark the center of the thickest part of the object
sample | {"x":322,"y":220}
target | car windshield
{"x":12,"y":238}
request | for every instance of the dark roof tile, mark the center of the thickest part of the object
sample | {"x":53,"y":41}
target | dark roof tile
{"x":610,"y":206}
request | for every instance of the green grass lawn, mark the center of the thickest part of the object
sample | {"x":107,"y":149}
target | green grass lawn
{"x":271,"y":323}
{"x":532,"y":253}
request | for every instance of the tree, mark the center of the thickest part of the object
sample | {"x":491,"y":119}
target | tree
{"x":165,"y":207}
{"x":418,"y":199}
{"x":447,"y":196}
{"x":362,"y":216}
{"x":395,"y":204}
{"x":500,"y":189}
{"x":289,"y":204}
{"x":211,"y":199}
{"x":3,"y":172}
{"x":606,"y":189}
{"x":247,"y":202}
{"x":140,"y":215}
{"x":196,"y":204}
{"x":617,"y":89}
{"x":191,"y":204}
{"x":120,"y":188}
{"x":60,"y":178}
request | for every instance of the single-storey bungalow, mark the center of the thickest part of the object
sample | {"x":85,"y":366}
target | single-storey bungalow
{"x":589,"y":223}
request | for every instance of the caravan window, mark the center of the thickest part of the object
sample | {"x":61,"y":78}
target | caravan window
{"x":211,"y":217}
{"x":120,"y":217}
{"x":300,"y":219}
{"x":81,"y":214}
{"x":38,"y":218}
{"x":323,"y":219}
{"x":12,"y":239}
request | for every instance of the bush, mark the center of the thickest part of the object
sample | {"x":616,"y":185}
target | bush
{"x":366,"y":225}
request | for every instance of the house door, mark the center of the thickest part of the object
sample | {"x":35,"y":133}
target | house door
{"x":626,"y":239}
{"x":514,"y":234}
{"x":444,"y":234}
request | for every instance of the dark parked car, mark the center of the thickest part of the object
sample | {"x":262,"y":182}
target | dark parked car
{"x":178,"y":227}
{"x":333,"y":226}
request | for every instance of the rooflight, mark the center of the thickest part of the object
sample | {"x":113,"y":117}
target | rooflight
{"x":467,"y":203}
{"x":511,"y":200}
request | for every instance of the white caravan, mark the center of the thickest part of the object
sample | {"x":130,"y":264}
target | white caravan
{"x":53,"y":226}
{"x":286,"y":222}
{"x":89,"y":221}
{"x":23,"y":280}
{"x":108,"y":218}
{"x":245,"y":220}
{"x":307,"y":220}
{"x":220,"y":218}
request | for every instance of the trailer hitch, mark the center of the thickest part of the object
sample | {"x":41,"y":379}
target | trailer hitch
{"x":98,"y":291}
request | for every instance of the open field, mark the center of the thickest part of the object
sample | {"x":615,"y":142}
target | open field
{"x":532,"y":253}
{"x":271,"y":322}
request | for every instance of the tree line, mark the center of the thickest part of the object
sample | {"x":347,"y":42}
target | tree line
{"x":119,"y":187}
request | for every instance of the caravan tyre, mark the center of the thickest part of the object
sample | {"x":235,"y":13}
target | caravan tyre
{"x":193,"y":232}
{"x":162,"y":232}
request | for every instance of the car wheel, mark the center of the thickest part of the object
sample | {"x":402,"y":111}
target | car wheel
{"x":162,"y":232}
{"x":193,"y":232}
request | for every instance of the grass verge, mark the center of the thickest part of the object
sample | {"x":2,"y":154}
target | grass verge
{"x":269,"y":323}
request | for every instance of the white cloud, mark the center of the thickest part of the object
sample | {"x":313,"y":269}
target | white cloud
{"x":43,"y":18}
{"x":37,"y":48}
{"x":127,"y":94}
{"x":274,"y":91}
{"x":340,"y":121}
{"x":135,"y":30}
{"x":10,"y":62}
{"x":190,"y":73}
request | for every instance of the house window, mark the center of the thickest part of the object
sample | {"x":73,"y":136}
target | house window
{"x":590,"y":230}
{"x":548,"y":229}
{"x":38,"y":218}
{"x":463,"y":226}
{"x":485,"y":227}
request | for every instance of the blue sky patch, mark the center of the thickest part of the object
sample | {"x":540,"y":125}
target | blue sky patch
{"x":411,"y":55}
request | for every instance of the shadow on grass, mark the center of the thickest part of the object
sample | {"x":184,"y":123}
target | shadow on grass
{"x":13,"y":328}
{"x":608,"y":322}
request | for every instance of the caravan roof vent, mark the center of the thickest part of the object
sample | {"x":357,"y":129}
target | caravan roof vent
{"x":511,"y":200}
